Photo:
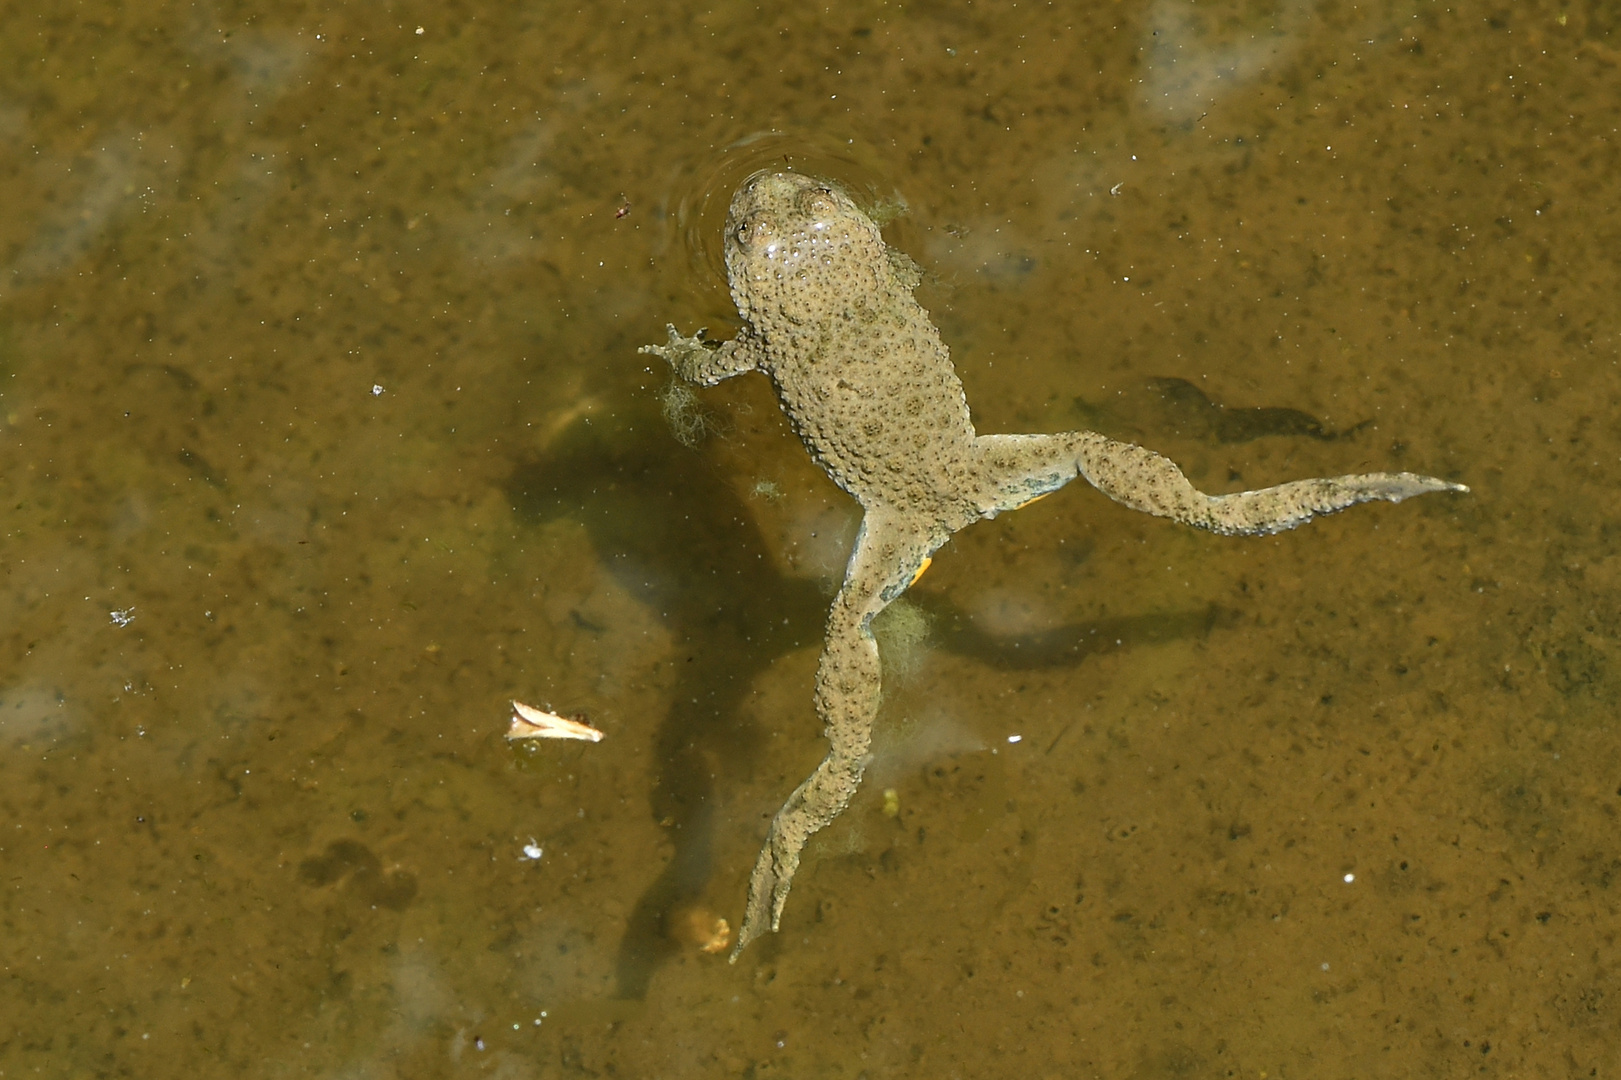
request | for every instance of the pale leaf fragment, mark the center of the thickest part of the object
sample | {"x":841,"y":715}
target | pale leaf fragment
{"x":529,"y":722}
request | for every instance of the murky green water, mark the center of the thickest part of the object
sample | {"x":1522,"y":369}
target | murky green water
{"x":324,"y":436}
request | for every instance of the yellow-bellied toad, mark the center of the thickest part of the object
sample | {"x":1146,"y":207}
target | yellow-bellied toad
{"x":862,"y":373}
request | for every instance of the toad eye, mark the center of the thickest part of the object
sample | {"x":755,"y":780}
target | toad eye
{"x":748,"y":232}
{"x":818,"y":202}
{"x":755,"y":235}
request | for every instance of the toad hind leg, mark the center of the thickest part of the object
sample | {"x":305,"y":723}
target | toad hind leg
{"x":887,"y":557}
{"x":1019,"y":468}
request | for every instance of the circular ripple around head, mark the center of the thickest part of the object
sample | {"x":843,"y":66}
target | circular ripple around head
{"x":702,"y":196}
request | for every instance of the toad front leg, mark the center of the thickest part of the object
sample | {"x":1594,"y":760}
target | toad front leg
{"x":694,"y":360}
{"x":886,"y":559}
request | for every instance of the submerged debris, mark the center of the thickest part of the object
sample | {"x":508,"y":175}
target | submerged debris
{"x":529,"y":722}
{"x":700,"y":928}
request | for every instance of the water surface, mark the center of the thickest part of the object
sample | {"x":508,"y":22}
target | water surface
{"x":324,"y":435}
